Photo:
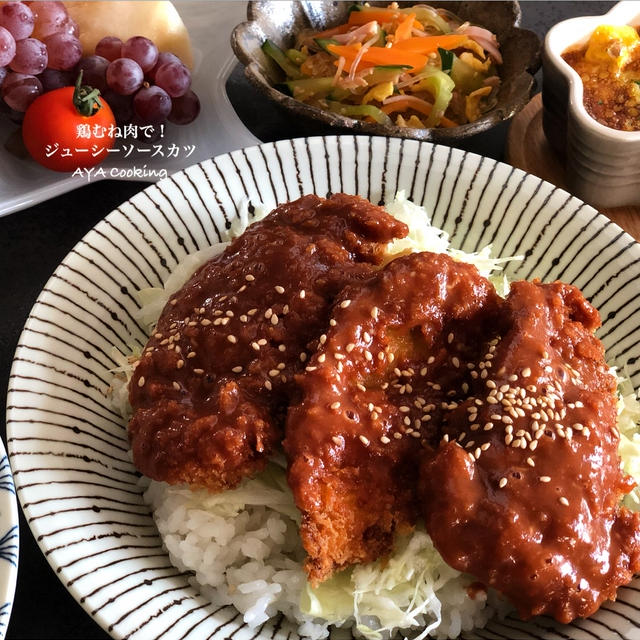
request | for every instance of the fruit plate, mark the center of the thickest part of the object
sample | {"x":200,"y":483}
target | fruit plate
{"x":8,"y":541}
{"x":217,"y":129}
{"x":68,"y":447}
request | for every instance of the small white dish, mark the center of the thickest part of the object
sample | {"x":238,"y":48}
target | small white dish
{"x":218,"y":129}
{"x":602,"y":164}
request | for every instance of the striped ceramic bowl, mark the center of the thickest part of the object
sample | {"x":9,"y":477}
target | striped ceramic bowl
{"x":79,"y":491}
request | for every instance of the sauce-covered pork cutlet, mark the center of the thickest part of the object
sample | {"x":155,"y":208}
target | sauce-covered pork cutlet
{"x":525,"y":493}
{"x":394,"y":359}
{"x":210,"y":390}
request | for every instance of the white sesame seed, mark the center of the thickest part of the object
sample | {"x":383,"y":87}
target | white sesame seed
{"x":310,"y":368}
{"x":279,"y":289}
{"x":179,"y":364}
{"x":141,"y":381}
{"x":274,"y":319}
{"x":249,"y":278}
{"x":345,"y":303}
{"x":374,"y":313}
{"x":364,"y":440}
{"x":503,"y":483}
{"x":176,"y":385}
{"x":268,"y":385}
{"x":322,"y":357}
{"x":450,"y":338}
{"x":544,"y":479}
{"x":232,"y":339}
{"x":564,"y":501}
{"x":512,"y":378}
{"x":205,"y":322}
{"x":384,"y":440}
{"x":491,"y":384}
{"x":361,"y":387}
{"x":335,"y":405}
{"x":526,"y":372}
{"x":274,"y":372}
{"x":237,"y":369}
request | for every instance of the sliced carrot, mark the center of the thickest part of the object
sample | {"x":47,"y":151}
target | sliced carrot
{"x":430,"y":44}
{"x":403,"y":30}
{"x":335,"y":31}
{"x":380,"y":15}
{"x":379,"y":56}
{"x":419,"y":106}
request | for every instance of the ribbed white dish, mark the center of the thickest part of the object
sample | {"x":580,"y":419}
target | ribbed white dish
{"x":602,"y":164}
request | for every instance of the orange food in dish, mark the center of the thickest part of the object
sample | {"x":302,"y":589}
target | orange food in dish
{"x":609,"y":67}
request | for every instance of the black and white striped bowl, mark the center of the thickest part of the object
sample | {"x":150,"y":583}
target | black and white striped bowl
{"x":68,"y":448}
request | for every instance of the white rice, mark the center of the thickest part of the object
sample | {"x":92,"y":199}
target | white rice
{"x":244,"y":547}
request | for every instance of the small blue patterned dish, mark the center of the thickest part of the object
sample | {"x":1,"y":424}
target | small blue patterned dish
{"x":8,"y":541}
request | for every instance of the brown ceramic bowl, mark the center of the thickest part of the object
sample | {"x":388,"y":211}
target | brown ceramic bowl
{"x":280,"y":21}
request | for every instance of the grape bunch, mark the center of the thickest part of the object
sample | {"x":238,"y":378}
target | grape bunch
{"x":40,"y":51}
{"x":141,"y":84}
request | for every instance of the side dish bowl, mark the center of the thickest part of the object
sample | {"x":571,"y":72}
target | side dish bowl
{"x":602,"y":164}
{"x":281,"y":21}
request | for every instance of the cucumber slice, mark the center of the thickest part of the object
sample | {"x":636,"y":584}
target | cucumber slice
{"x":280,"y":58}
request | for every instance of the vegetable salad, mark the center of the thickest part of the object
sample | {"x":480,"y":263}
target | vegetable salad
{"x":418,"y":67}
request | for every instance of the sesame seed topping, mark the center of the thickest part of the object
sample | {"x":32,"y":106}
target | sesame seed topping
{"x":237,"y":369}
{"x":274,"y":319}
{"x":274,"y":372}
{"x":249,"y":278}
{"x":322,"y":357}
{"x":336,"y":440}
{"x":374,"y":313}
{"x":302,"y":294}
{"x":526,"y":372}
{"x":544,"y":479}
{"x":335,"y":405}
{"x":205,"y":322}
{"x":368,"y":355}
{"x":512,"y":378}
{"x":232,"y":339}
{"x":267,"y":384}
{"x":141,"y":381}
{"x":310,"y":368}
{"x":332,"y":322}
{"x":503,"y":483}
{"x":364,"y":440}
{"x":397,"y":435}
{"x":176,"y":385}
{"x":361,"y":387}
{"x":450,"y":338}
{"x":198,"y":371}
{"x":179,"y":364}
{"x":564,"y":501}
{"x":279,"y":289}
{"x":345,"y":303}
{"x":385,"y":440}
{"x":174,"y":302}
{"x":530,"y":462}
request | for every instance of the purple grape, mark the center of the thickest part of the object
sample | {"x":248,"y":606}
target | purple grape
{"x":94,"y":72}
{"x":50,"y":18}
{"x":152,"y":105}
{"x":7,"y":47}
{"x":70,"y":26}
{"x":185,"y":109}
{"x":31,"y":57}
{"x":174,"y":78}
{"x":19,"y":90}
{"x":124,"y":76}
{"x":110,"y":48}
{"x":122,"y":106}
{"x":53,"y":79}
{"x":142,"y":50}
{"x":18,"y":19}
{"x":163,"y":58}
{"x":64,"y":51}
